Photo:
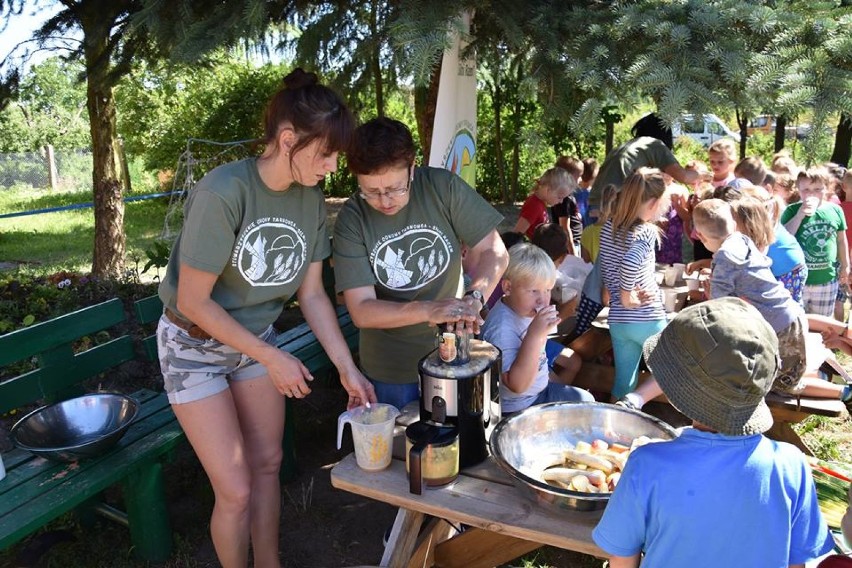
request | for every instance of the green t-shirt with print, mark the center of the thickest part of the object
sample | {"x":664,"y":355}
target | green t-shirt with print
{"x":258,"y":241}
{"x":817,"y":235}
{"x":412,"y":255}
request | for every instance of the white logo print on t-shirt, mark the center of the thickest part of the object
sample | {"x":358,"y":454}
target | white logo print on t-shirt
{"x":411,"y":258}
{"x":270,"y":252}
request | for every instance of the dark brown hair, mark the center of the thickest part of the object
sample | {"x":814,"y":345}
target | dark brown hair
{"x":552,"y":239}
{"x":570,"y":164}
{"x":380,"y":144}
{"x":752,"y":168}
{"x":816,"y":174}
{"x":314,"y":111}
{"x":590,"y":170}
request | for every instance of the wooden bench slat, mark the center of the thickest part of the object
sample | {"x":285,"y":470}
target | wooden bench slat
{"x":70,"y":493}
{"x":45,"y":382}
{"x":805,"y":405}
{"x":150,"y":403}
{"x":148,"y":310}
{"x":47,"y":335}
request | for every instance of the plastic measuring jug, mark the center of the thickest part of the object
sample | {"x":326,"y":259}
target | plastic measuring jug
{"x":372,"y":434}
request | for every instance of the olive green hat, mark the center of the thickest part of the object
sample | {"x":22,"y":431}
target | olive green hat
{"x":715,"y":362}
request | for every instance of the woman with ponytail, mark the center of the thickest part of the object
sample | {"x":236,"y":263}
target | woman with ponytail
{"x":254,"y":235}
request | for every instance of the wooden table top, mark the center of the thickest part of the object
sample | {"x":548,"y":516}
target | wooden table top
{"x":482,"y":496}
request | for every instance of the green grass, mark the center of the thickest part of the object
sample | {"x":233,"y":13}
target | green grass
{"x":64,"y":240}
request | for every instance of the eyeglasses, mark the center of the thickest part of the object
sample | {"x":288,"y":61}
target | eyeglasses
{"x":389,"y":193}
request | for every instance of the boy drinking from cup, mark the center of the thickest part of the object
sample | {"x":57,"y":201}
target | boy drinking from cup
{"x":820,"y":228}
{"x":519,"y":325}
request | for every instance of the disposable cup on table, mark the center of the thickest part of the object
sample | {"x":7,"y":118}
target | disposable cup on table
{"x":670,"y":300}
{"x":372,"y":434}
{"x":671,"y":276}
{"x":691,"y":283}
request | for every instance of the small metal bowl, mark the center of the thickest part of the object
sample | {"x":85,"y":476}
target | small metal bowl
{"x":77,"y":428}
{"x":527,"y":443}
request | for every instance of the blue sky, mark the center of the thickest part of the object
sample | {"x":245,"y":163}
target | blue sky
{"x":21,"y":28}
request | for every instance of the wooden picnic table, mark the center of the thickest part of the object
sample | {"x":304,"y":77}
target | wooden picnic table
{"x":786,"y":410}
{"x":501,"y":522}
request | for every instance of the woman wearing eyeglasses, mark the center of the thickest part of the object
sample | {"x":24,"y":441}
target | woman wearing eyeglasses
{"x":398,"y":260}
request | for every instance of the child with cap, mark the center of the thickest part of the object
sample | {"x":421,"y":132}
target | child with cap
{"x":720,"y":494}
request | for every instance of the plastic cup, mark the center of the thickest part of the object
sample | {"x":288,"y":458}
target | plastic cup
{"x":372,"y":434}
{"x":670,"y":300}
{"x":681,"y":268}
{"x":692,"y":283}
{"x":670,"y":276}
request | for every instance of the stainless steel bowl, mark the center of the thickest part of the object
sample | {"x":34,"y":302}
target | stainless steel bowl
{"x":527,"y":443}
{"x":77,"y":428}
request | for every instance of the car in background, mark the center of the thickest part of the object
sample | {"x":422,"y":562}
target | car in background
{"x":765,"y":124}
{"x":705,"y":129}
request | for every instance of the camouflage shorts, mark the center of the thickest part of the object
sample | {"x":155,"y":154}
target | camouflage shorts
{"x":198,"y":368}
{"x":791,"y":348}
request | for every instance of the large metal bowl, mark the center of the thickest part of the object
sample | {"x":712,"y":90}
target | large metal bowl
{"x":527,"y":443}
{"x":77,"y":428}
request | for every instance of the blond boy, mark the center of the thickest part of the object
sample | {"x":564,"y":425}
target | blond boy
{"x":519,"y":325}
{"x":722,"y":155}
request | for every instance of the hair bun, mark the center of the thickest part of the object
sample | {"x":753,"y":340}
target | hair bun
{"x":298,"y":78}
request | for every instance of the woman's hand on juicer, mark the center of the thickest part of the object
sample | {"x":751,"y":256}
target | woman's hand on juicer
{"x":451,"y":310}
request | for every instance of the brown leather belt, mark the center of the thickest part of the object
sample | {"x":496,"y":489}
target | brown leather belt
{"x":190,"y":328}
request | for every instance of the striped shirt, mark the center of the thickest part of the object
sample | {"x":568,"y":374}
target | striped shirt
{"x":629,"y":264}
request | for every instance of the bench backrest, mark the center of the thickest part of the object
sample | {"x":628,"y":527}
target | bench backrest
{"x":149,"y":310}
{"x":52,"y":345}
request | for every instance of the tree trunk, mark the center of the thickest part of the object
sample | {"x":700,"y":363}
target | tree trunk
{"x":375,"y":64}
{"x":425,"y":103}
{"x":517,"y":123}
{"x":780,"y":132}
{"x":110,"y":240}
{"x":497,"y":106}
{"x":610,"y":137}
{"x":742,"y":124}
{"x":843,"y":141}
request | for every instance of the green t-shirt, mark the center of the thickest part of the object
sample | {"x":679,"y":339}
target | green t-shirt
{"x":412,"y":255}
{"x":817,"y":235}
{"x":642,"y":152}
{"x":260,"y":242}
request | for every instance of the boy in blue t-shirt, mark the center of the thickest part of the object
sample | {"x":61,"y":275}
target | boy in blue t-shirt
{"x":720,"y":494}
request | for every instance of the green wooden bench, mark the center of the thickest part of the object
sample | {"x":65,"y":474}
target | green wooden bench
{"x":36,"y":490}
{"x":299,"y":341}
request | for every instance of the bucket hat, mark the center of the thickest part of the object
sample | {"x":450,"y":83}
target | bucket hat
{"x":715,"y":362}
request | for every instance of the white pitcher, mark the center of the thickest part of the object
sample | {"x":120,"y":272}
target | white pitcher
{"x":372,"y":434}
